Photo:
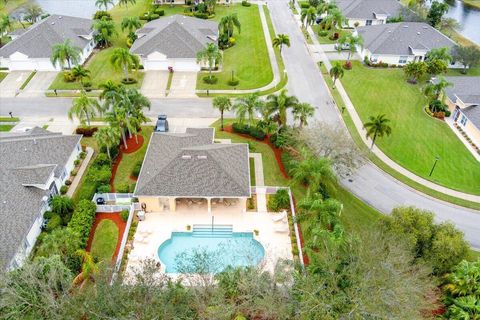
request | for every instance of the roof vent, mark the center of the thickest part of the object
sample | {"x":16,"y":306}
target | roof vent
{"x":405,"y":26}
{"x":34,"y":141}
{"x":201,"y":157}
{"x":418,"y":32}
{"x":186,"y":156}
{"x":60,"y":17}
{"x":53,"y":22}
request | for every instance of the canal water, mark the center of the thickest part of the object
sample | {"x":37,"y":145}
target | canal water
{"x":468,"y":17}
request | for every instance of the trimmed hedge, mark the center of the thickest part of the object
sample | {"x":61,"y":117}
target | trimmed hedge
{"x":287,"y":161}
{"x":251,"y":131}
{"x":82,"y":220}
{"x":124,"y":215}
{"x":54,"y":222}
{"x":136,"y":169}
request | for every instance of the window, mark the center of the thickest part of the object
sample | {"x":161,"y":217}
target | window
{"x":374,"y":58}
{"x":402,"y":59}
{"x":368,"y":23}
{"x":463,"y":120}
{"x":64,"y":174}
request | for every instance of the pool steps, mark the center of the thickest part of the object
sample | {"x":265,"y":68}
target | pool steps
{"x":207,"y":231}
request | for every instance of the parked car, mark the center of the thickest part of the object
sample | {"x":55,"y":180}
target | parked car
{"x":343,"y":46}
{"x":162,"y":124}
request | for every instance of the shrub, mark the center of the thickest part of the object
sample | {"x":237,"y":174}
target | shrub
{"x":104,"y":188}
{"x":63,"y":189}
{"x":124,"y":215}
{"x":287,"y":160}
{"x":102,"y":14}
{"x":233,"y":82}
{"x":200,"y":15}
{"x":102,"y":160}
{"x":347,"y":65}
{"x":86,"y":131}
{"x":82,"y":219}
{"x":278,"y":140}
{"x":68,"y":76}
{"x":76,"y":162}
{"x":257,"y":133}
{"x":231,"y":41}
{"x":159,"y":11}
{"x":246,"y":3}
{"x":54,"y":222}
{"x":68,"y":182}
{"x":73,"y":172}
{"x":304,"y":5}
{"x":210,"y":80}
{"x":136,"y":169}
{"x":82,"y":155}
{"x":113,"y":151}
{"x":99,"y":175}
{"x":282,"y":199}
{"x":240,"y":128}
{"x":123,"y":188}
{"x":48,"y":214}
{"x":323,"y":33}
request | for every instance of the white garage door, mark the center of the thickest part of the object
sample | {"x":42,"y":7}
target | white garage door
{"x":22,"y":65}
{"x":156,"y":65}
{"x":177,"y":65}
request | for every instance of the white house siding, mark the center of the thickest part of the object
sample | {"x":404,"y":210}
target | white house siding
{"x":176,"y":64}
{"x":395,"y":59}
{"x":70,"y":163}
{"x":363,"y":22}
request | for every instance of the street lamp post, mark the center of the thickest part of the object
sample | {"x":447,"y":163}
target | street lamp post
{"x":434,"y":165}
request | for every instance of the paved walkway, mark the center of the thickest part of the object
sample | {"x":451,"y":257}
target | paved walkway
{"x":320,"y":54}
{"x":154,"y":84}
{"x":258,"y":163}
{"x":81,"y":171}
{"x":450,"y":122}
{"x":37,"y":86}
{"x":10,"y":85}
{"x":272,"y":58}
{"x":183,"y":85}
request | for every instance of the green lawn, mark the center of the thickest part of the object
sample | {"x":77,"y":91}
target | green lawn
{"x":470,"y":72}
{"x":3,"y":75}
{"x":130,"y":159}
{"x":86,"y":189}
{"x":253,"y":181}
{"x":356,"y":214}
{"x":10,"y":5}
{"x":104,"y":241}
{"x":248,"y":59}
{"x":6,"y":127}
{"x":416,"y":138}
{"x":9,"y":119}
{"x":325,"y":40}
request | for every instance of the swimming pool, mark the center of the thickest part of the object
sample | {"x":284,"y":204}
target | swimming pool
{"x":209,"y":250}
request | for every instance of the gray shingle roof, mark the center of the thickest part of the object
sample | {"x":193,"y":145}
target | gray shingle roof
{"x":27,"y":157}
{"x":366,"y":9}
{"x":176,"y":36}
{"x":399,"y":38}
{"x":38,"y":40}
{"x":473,"y":114}
{"x":466,"y":88}
{"x":191,"y":165}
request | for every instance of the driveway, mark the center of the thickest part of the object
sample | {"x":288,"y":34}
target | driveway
{"x":40,"y":82}
{"x":12,"y":83}
{"x":183,"y":85}
{"x":332,"y":56}
{"x":154,"y":84}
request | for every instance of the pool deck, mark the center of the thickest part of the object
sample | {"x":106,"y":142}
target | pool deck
{"x":158,"y":226}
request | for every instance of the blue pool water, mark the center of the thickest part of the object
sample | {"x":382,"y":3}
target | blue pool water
{"x":209,"y":250}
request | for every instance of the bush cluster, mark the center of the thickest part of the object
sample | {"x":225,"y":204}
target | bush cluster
{"x":210,"y":80}
{"x":82,"y":219}
{"x":249,"y":130}
{"x":54,"y":222}
{"x":124,"y":215}
{"x":233,"y":82}
{"x":99,"y":15}
{"x":201,"y":15}
{"x":136,"y":169}
{"x":304,"y":5}
{"x":323,"y":33}
{"x":100,"y":172}
{"x":287,"y":161}
{"x":280,"y":200}
{"x":104,"y":188}
{"x":159,"y":11}
{"x":149,"y":16}
{"x":63,"y":189}
{"x":123,"y":188}
{"x":86,"y":131}
{"x":246,"y":3}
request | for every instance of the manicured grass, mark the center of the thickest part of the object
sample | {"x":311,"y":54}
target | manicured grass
{"x":129,"y":160}
{"x":104,"y":240}
{"x":379,"y":163}
{"x":474,"y":255}
{"x":248,"y":58}
{"x":101,"y":70}
{"x":473,"y":72}
{"x":356,"y":214}
{"x":86,"y":189}
{"x":325,"y":40}
{"x":253,"y":181}
{"x":8,"y":119}
{"x":416,"y":137}
{"x":3,"y":75}
{"x":24,"y":84}
{"x":10,"y":5}
{"x":6,"y":127}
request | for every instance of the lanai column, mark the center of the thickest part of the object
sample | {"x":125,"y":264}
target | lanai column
{"x":209,"y":204}
{"x":172,"y":204}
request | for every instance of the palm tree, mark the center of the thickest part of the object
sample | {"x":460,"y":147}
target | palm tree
{"x":415,"y":70}
{"x":308,"y":16}
{"x":325,"y":7}
{"x":210,"y":54}
{"x":89,"y":270}
{"x":135,"y":102}
{"x":118,"y":118}
{"x":33,"y":12}
{"x":435,"y":91}
{"x":439,"y":53}
{"x":130,"y":23}
{"x":377,"y":127}
{"x":126,"y":2}
{"x":84,"y":108}
{"x":246,"y":106}
{"x":312,"y":171}
{"x":107,"y":137}
{"x":280,"y":40}
{"x":336,"y":72}
{"x":61,"y":205}
{"x":104,"y":3}
{"x":65,"y":53}
{"x":222,"y":104}
{"x":327,"y":212}
{"x":104,"y":31}
{"x":122,"y":58}
{"x":303,"y":111}
{"x":335,"y":19}
{"x":228,"y":23}
{"x":278,"y":104}
{"x":210,"y":5}
{"x":5,"y":25}
{"x":110,"y":93}
{"x":80,"y":74}
{"x":352,"y":41}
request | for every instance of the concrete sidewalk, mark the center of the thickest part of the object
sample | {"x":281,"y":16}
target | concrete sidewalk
{"x":81,"y":171}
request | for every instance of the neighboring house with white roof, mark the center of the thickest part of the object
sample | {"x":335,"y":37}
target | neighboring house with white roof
{"x":31,"y":49}
{"x":173,"y":42}
{"x":369,"y":12}
{"x":401,"y":43}
{"x":463,"y":100}
{"x":33,"y":167}
{"x":190,"y":165}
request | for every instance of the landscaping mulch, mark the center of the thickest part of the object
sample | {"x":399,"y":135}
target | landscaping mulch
{"x":278,"y":156}
{"x":132,"y":146}
{"x":121,"y":225}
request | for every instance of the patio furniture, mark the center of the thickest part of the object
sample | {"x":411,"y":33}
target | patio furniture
{"x":282,"y":229}
{"x":281,"y":216}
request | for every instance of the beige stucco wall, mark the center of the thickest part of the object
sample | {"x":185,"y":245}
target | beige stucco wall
{"x":153,"y":203}
{"x":472,"y":131}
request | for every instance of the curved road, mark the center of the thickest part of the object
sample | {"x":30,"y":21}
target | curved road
{"x":369,"y":183}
